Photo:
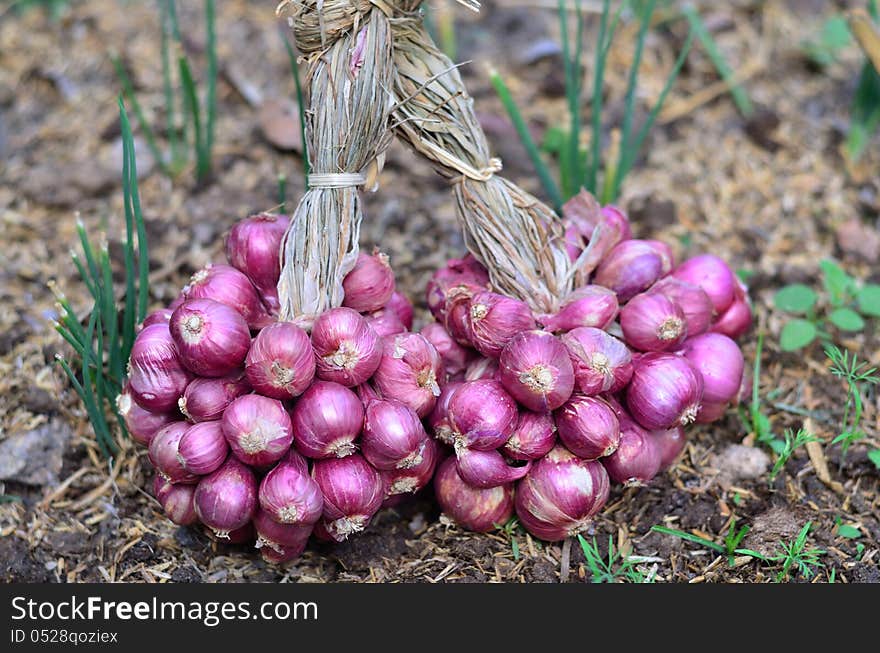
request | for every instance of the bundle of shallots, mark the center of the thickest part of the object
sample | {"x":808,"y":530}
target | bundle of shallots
{"x":258,"y":429}
{"x":543,"y":411}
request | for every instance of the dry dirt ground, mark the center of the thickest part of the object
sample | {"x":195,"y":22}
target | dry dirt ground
{"x":772,"y":195}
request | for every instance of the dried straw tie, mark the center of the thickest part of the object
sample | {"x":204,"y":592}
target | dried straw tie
{"x":348,"y":49}
{"x":512,"y":233}
{"x":517,"y":237}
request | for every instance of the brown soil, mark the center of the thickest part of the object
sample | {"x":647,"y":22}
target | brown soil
{"x":770,"y":195}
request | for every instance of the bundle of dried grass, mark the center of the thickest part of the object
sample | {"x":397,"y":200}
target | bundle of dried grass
{"x":347,"y":45}
{"x":517,"y":237}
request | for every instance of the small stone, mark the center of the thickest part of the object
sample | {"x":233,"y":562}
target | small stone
{"x":859,"y":239}
{"x":35,"y":457}
{"x":739,"y":463}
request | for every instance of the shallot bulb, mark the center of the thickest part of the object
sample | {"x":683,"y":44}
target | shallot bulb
{"x":141,"y":424}
{"x":602,"y":363}
{"x":493,"y":321}
{"x":560,"y":495}
{"x":225,"y":284}
{"x":737,"y":319}
{"x":410,"y":371}
{"x":633,"y":266}
{"x":482,"y":415}
{"x":402,"y":307}
{"x":254,"y":247}
{"x":438,"y":420}
{"x":487,"y":469}
{"x":482,"y":368}
{"x":348,"y":350}
{"x":327,"y":419}
{"x":653,"y":322}
{"x":156,"y":376}
{"x":226,"y":499}
{"x":285,"y":541}
{"x":280,"y":363}
{"x":457,"y":312}
{"x":385,"y":322}
{"x":258,"y":429}
{"x":587,"y":306}
{"x":720,"y":363}
{"x":669,"y":443}
{"x":393,"y":435}
{"x":163,"y":453}
{"x":176,"y":500}
{"x":712,"y":275}
{"x":636,"y":460}
{"x":711,"y":411}
{"x":289,"y":495}
{"x":476,"y":509}
{"x":205,"y":399}
{"x":212,"y":338}
{"x":203,"y":448}
{"x":414,"y":478}
{"x":537,"y":371}
{"x":608,"y":228}
{"x":353,"y":492}
{"x":457,"y":272}
{"x":159,"y":316}
{"x":534,"y":436}
{"x":693,"y":300}
{"x":665,"y":391}
{"x":455,"y":357}
{"x":369,"y":285}
{"x":588,"y":427}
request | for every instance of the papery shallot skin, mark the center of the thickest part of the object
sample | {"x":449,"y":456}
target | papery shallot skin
{"x":560,"y":495}
{"x":141,"y":424}
{"x":601,"y":362}
{"x":535,"y":368}
{"x":353,"y":492}
{"x":476,"y":509}
{"x":253,"y":246}
{"x":226,"y":499}
{"x":326,"y":420}
{"x":410,"y":370}
{"x":482,"y":414}
{"x":290,"y":496}
{"x":212,"y":338}
{"x":176,"y":500}
{"x":280,"y":362}
{"x":370,"y":284}
{"x":588,"y":427}
{"x":636,"y":460}
{"x":534,"y":436}
{"x":258,"y":430}
{"x":156,"y":375}
{"x":348,"y":350}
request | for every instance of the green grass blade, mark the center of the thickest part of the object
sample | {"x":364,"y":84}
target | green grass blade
{"x":652,"y":117}
{"x":192,"y":101}
{"x":282,"y":192}
{"x":128,"y":91}
{"x":89,"y":252}
{"x":110,"y":319}
{"x":128,"y":312}
{"x":84,"y":274}
{"x":690,"y":537}
{"x":570,"y":162}
{"x":740,"y":98}
{"x":91,"y":409}
{"x":93,"y":405}
{"x":630,"y":99}
{"x":294,"y":67}
{"x":167,"y":88}
{"x":596,"y":102}
{"x":65,"y":333}
{"x":143,"y":292}
{"x":211,"y":99}
{"x":523,"y":131}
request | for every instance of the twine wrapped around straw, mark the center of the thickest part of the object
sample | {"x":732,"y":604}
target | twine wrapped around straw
{"x":348,"y":47}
